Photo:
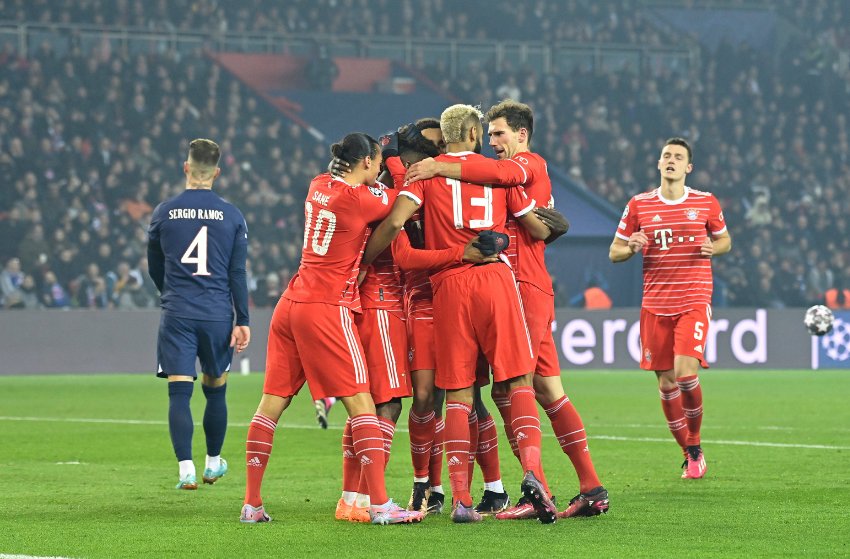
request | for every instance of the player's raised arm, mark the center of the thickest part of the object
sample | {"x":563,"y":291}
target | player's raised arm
{"x":389,"y":228}
{"x":505,"y":172}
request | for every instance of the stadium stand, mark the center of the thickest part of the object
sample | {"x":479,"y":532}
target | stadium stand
{"x":92,"y":139}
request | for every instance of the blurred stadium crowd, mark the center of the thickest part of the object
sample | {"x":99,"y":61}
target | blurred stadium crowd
{"x":90,"y":142}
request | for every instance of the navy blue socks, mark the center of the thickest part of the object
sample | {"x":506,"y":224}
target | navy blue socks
{"x":215,"y":418}
{"x":180,"y":418}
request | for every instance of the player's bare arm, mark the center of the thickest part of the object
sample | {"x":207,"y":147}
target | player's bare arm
{"x":716,"y":245}
{"x":621,"y":249}
{"x":409,"y":258}
{"x":502,"y":173}
{"x":557,"y":222}
{"x":535,"y":226}
{"x":388,"y":230}
{"x":429,"y":168}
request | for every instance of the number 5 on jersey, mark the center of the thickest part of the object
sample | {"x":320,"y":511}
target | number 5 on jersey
{"x":199,"y":247}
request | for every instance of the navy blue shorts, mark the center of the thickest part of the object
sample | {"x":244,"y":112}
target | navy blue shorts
{"x":181,"y":340}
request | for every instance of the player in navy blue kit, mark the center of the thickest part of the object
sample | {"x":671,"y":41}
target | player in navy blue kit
{"x":197,"y":248}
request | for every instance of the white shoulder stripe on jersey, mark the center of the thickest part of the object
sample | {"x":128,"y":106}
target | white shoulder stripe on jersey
{"x":411,"y":195}
{"x":526,"y":210}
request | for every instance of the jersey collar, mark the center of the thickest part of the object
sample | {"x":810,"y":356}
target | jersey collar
{"x":679,"y":200}
{"x":460,"y":153}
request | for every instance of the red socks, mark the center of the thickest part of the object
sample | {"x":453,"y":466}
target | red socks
{"x":503,"y":402}
{"x":691,"y":406}
{"x":435,"y":465}
{"x":422,"y":430}
{"x":526,"y":425}
{"x":350,"y":464}
{"x":568,"y":427}
{"x":671,"y":403}
{"x":473,"y":445}
{"x":457,"y":450}
{"x":488,"y":450}
{"x":258,"y":448}
{"x":388,"y":431}
{"x":369,"y":449}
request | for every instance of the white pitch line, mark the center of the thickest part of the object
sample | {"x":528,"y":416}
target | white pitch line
{"x":403,"y":430}
{"x":6,"y":556}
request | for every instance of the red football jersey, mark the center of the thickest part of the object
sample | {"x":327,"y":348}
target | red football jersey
{"x":526,"y":169}
{"x":455,"y":211}
{"x":336,"y":218}
{"x":382,"y":287}
{"x":676,"y":278}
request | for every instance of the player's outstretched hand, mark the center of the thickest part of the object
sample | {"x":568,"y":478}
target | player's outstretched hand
{"x":338,"y":168}
{"x":554,"y":220}
{"x":707,"y":248}
{"x":240,"y":338}
{"x":471,"y":253}
{"x":637,"y":241}
{"x":422,"y":170}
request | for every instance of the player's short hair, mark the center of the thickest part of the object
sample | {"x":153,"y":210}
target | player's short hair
{"x":203,"y":158}
{"x":676,"y":141}
{"x":457,"y":120}
{"x":420,"y":145}
{"x":355,"y":147}
{"x":427,"y":123}
{"x":517,"y":115}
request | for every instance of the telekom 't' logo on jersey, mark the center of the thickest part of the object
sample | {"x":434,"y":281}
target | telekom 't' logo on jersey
{"x":664,"y":237}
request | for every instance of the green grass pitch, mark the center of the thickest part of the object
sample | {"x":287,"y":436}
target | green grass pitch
{"x":87,"y":470}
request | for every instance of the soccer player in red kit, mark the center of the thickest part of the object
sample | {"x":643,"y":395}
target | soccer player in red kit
{"x":679,"y":229}
{"x":510,"y":128}
{"x":478,"y":305}
{"x":312,"y":337}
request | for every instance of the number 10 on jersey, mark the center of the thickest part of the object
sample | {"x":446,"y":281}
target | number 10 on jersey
{"x":324,"y":216}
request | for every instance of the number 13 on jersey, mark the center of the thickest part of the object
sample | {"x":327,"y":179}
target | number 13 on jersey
{"x":485,"y":201}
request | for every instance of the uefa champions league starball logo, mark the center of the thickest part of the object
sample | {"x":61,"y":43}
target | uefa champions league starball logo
{"x":837,"y":343}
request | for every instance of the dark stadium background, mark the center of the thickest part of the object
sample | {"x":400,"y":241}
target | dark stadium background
{"x":99,"y":99}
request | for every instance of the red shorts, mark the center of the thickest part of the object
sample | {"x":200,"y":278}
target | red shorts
{"x":664,"y":337}
{"x":539,"y":309}
{"x":480,"y":309}
{"x":420,"y":342}
{"x":384,"y":337}
{"x":316,"y":343}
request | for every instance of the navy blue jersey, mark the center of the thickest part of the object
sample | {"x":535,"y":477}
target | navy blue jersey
{"x":197,"y":247}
